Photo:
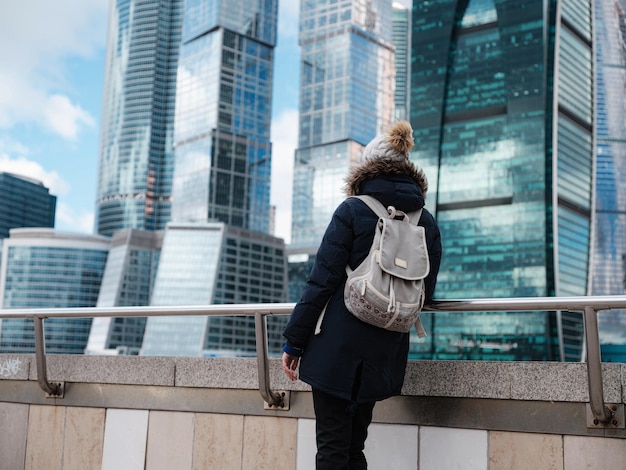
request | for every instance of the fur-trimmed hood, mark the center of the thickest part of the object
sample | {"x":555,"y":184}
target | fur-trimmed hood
{"x":366,"y":170}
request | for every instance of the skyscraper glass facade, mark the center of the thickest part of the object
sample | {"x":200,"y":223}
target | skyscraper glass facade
{"x":609,"y":260}
{"x":347,"y":73}
{"x":502,"y":111}
{"x":136,"y":136}
{"x":211,"y":263}
{"x":223,"y":113}
{"x":402,"y":42}
{"x":25,"y":203}
{"x":42,"y":268}
{"x":127,"y":281}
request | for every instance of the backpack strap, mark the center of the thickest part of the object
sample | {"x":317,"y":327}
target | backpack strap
{"x":379,"y":209}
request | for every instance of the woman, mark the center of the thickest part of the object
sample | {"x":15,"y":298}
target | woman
{"x":349,"y":364}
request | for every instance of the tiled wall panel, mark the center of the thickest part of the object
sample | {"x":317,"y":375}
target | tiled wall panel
{"x":125,"y":436}
{"x":13,"y":432}
{"x":73,"y":438}
{"x":44,"y":445}
{"x":521,"y":451}
{"x":306,"y":445}
{"x":450,"y":448}
{"x":84,"y":438}
{"x":392,"y":443}
{"x":269,"y":442}
{"x":594,"y":453}
{"x":170,"y":440}
{"x":218,"y":440}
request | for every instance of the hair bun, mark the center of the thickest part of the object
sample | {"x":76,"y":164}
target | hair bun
{"x":401,"y":137}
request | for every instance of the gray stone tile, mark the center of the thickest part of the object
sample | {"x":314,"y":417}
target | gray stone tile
{"x":216,"y":372}
{"x":548,"y":381}
{"x":133,"y":370}
{"x":15,"y":366}
{"x":471,"y":379}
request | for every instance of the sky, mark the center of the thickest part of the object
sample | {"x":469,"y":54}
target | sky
{"x":51,"y":82}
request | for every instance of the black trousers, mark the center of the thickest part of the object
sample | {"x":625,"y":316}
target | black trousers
{"x":341,"y":429}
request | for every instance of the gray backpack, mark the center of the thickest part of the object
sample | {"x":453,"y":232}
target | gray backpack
{"x":387,"y":288}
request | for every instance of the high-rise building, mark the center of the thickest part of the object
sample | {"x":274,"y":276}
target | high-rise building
{"x":136,"y":154}
{"x":128,"y":280}
{"x":223,"y":113}
{"x":609,"y":253}
{"x":44,"y":268}
{"x":502,"y":98}
{"x":25,"y":203}
{"x":347,"y":73}
{"x":185,"y":139}
{"x":401,"y":37}
{"x":213,"y":263}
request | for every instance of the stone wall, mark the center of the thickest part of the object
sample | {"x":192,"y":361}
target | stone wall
{"x":190,"y":413}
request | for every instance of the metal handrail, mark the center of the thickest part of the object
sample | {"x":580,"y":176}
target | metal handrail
{"x":588,"y":306}
{"x":259,"y":311}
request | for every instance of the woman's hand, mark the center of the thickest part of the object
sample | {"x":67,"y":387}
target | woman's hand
{"x":290,"y":364}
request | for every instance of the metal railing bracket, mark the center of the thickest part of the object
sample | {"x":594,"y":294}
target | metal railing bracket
{"x":58,"y":390}
{"x":616,"y":420}
{"x":283,"y":405}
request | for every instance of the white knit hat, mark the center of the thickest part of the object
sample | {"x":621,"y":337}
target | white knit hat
{"x":396,"y":144}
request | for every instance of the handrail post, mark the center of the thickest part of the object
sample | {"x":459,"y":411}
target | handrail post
{"x":40,"y":358}
{"x":594,"y":367}
{"x":272,"y":398}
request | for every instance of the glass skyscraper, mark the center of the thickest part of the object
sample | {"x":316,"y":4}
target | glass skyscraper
{"x":609,"y":260}
{"x":223,"y":113}
{"x":186,"y":140}
{"x":402,"y":42}
{"x":128,"y":280}
{"x":136,"y":135}
{"x":25,"y":203}
{"x":44,"y":268}
{"x":347,"y":73}
{"x":502,"y":110}
{"x":213,"y":263}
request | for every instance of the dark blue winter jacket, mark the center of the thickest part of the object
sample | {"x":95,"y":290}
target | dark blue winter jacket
{"x":351,"y":359}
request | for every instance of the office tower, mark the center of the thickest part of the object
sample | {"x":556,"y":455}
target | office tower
{"x":25,"y":203}
{"x":197,"y":77}
{"x":401,"y":37}
{"x":44,"y":268}
{"x":346,"y":98}
{"x":502,"y":111}
{"x":217,"y":249}
{"x":213,"y":263}
{"x":609,"y":254}
{"x":127,"y":281}
{"x":223,"y":113}
{"x":136,"y":135}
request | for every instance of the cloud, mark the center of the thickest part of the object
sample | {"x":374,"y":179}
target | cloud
{"x":64,"y":118}
{"x":24,"y":167}
{"x":288,"y":17}
{"x":37,"y":39}
{"x":284,"y":143}
{"x":69,"y":219}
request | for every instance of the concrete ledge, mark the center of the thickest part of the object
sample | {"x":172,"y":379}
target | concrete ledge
{"x":528,"y":381}
{"x":466,"y":413}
